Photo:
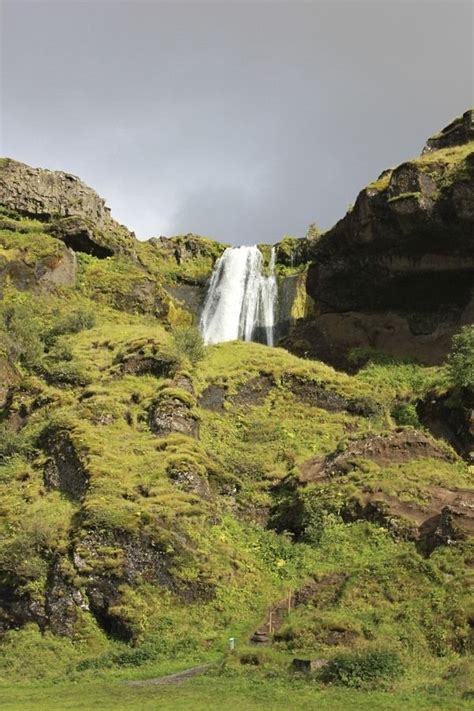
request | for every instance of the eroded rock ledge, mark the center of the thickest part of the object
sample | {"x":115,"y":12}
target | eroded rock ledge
{"x":396,"y":274}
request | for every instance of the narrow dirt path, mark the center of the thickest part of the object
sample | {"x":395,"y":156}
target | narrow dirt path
{"x":176,"y":678}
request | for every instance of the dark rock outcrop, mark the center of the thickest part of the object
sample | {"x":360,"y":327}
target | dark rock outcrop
{"x":64,"y":469}
{"x":451,"y":417}
{"x":213,"y":398}
{"x":51,"y":196}
{"x":63,"y":600}
{"x":145,"y":356}
{"x":81,"y":236}
{"x":131,"y":558}
{"x":317,"y":395}
{"x":189,"y":476}
{"x":396,"y":274}
{"x":172,"y":412}
{"x":107,"y":560}
{"x":459,"y":131}
{"x":188,"y":248}
{"x":47,"y":273}
{"x":253,"y":392}
{"x":444,"y":516}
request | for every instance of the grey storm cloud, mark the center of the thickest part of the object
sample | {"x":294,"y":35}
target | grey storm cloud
{"x":242,"y":121}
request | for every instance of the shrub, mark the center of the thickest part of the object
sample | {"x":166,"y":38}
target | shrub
{"x":64,"y":372}
{"x":405,"y":414}
{"x":74,"y":322}
{"x":12,"y":443}
{"x":188,"y":342}
{"x":461,"y":359}
{"x":363,"y":668}
{"x":127,"y":658}
{"x":20,"y":334}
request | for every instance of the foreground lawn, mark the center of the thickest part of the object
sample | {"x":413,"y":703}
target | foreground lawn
{"x":212,"y":692}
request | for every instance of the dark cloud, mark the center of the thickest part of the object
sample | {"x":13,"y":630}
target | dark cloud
{"x":239,"y":120}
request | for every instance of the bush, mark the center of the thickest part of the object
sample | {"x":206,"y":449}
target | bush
{"x":12,"y":443}
{"x":127,"y":658}
{"x":74,"y":322}
{"x":363,"y":668}
{"x":188,"y":342}
{"x":405,"y":414}
{"x":461,"y":359}
{"x":20,"y":334}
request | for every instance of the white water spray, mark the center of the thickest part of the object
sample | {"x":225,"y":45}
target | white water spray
{"x":241,"y":300}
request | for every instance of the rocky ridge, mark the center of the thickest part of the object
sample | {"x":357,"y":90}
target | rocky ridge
{"x":396,"y":274}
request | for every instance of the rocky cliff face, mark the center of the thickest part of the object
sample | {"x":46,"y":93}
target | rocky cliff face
{"x":77,"y":214}
{"x":396,"y":273}
{"x":47,"y":194}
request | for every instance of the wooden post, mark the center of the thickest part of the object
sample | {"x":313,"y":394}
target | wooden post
{"x":289,"y":601}
{"x":270,"y":626}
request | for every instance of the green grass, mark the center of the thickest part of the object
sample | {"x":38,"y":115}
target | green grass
{"x":252,"y":690}
{"x":73,"y":380}
{"x":452,"y":161}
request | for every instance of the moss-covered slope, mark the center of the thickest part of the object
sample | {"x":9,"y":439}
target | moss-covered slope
{"x":157,"y":497}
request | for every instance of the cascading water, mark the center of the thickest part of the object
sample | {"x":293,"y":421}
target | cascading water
{"x":241,"y":300}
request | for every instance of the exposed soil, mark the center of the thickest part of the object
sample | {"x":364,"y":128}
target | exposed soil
{"x":213,"y":398}
{"x":395,"y":447}
{"x":253,"y":392}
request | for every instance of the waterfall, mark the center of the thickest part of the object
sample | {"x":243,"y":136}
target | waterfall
{"x":241,"y":300}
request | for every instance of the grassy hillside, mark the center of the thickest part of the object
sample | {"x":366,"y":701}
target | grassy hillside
{"x":155,"y":501}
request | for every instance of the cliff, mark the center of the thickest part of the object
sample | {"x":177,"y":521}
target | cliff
{"x":396,"y":274}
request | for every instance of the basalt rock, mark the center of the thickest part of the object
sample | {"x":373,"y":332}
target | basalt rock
{"x":189,"y":476}
{"x":51,"y":196}
{"x":44,"y":275}
{"x":316,"y":395}
{"x":81,"y":236}
{"x":459,"y":131}
{"x":444,"y":516}
{"x":396,"y":447}
{"x":145,"y":356}
{"x":396,"y":274}
{"x":171,"y":413}
{"x":64,"y":469}
{"x":63,"y":601}
{"x":131,"y":559}
{"x":107,"y":560}
{"x":451,"y":417}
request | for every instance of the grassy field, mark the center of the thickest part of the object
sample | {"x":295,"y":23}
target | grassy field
{"x":237,"y":693}
{"x":446,"y":684}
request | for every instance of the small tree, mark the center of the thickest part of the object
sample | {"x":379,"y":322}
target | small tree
{"x":313,"y":231}
{"x":461,"y":359}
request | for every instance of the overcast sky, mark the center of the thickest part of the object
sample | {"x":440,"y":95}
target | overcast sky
{"x":243,"y":120}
